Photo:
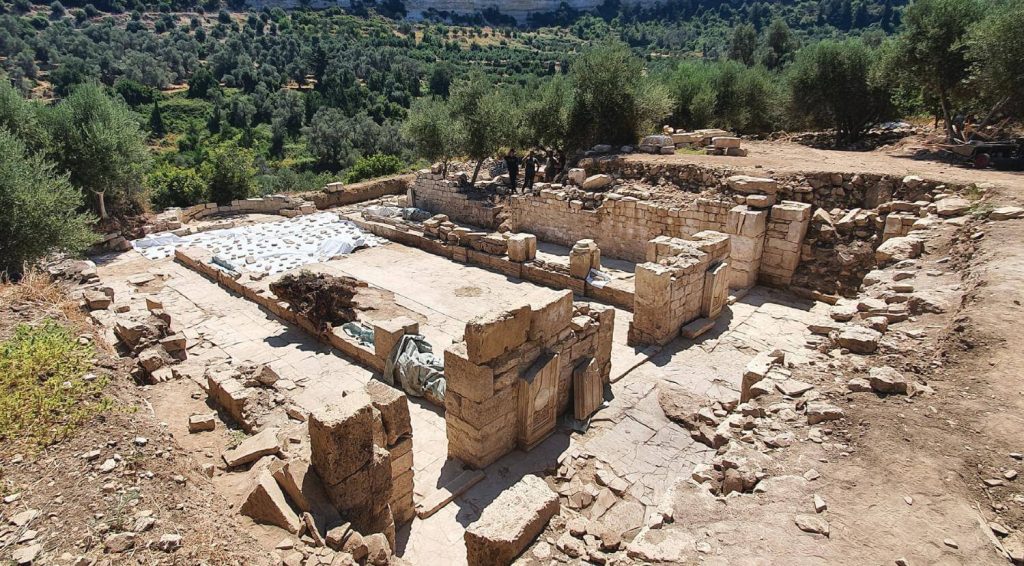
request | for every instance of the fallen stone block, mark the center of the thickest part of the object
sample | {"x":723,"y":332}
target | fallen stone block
{"x":253,"y":448}
{"x":859,"y":339}
{"x":341,"y":437}
{"x":596,"y":182}
{"x":202,"y":423}
{"x":298,"y":479}
{"x":899,"y":249}
{"x":264,"y":502}
{"x":522,"y":247}
{"x":1006,"y":213}
{"x":437,"y":499}
{"x":823,"y":412}
{"x":952,"y":206}
{"x":97,"y":300}
{"x":748,"y":185}
{"x":508,"y":525}
{"x":887,"y":380}
{"x":697,"y":327}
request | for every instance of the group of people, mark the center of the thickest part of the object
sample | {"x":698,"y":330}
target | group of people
{"x":552,"y":165}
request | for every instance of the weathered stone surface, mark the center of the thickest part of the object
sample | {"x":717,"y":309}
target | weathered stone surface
{"x":952,"y":206}
{"x":510,"y":522}
{"x":859,"y":339}
{"x":753,"y":185}
{"x":899,"y":249}
{"x":378,"y":550}
{"x":522,"y":247}
{"x":387,"y":333}
{"x":96,"y":300}
{"x":298,"y":479}
{"x":264,"y":502}
{"x":596,"y":182}
{"x":490,"y":336}
{"x":341,"y":437}
{"x":394,"y":410}
{"x":1006,"y":213}
{"x":253,"y":448}
{"x":202,"y":423}
{"x":793,"y":387}
{"x":887,"y":380}
{"x":818,"y":412}
{"x":812,"y":524}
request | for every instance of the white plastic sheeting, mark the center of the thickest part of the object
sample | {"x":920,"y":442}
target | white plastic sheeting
{"x":270,"y":247}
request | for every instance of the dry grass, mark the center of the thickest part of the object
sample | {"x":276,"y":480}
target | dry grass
{"x":36,"y":298}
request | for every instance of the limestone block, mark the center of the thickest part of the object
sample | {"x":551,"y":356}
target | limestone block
{"x":298,"y":479}
{"x":387,"y":333}
{"x":724,"y":142}
{"x":264,"y":502}
{"x":588,"y":390}
{"x":597,"y":182}
{"x":952,"y":206}
{"x":508,"y":525}
{"x":479,"y":448}
{"x":716,"y":290}
{"x":899,"y":249}
{"x":576,"y":176}
{"x":548,"y":318}
{"x":472,"y":381}
{"x":859,"y":339}
{"x":230,"y":394}
{"x":489,"y":336}
{"x":790,"y":211}
{"x":341,"y":437}
{"x":748,"y":185}
{"x":537,"y":401}
{"x":394,"y":410}
{"x":522,"y":247}
{"x":253,"y":448}
{"x":756,"y":370}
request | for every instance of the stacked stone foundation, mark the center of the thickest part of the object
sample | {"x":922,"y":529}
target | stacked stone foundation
{"x":512,"y":376}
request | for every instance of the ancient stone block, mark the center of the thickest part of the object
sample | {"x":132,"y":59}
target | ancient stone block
{"x":490,"y":336}
{"x":230,"y":394}
{"x":264,"y":502}
{"x":508,"y":525}
{"x":548,"y":318}
{"x":588,"y":388}
{"x":751,"y":185}
{"x":472,"y":381}
{"x":394,"y":410}
{"x":537,"y":401}
{"x":716,"y":290}
{"x":522,"y":247}
{"x":298,"y":479}
{"x":387,"y":333}
{"x":253,"y":448}
{"x":341,"y":437}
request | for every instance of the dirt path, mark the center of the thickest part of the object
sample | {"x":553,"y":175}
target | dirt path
{"x":778,"y":157}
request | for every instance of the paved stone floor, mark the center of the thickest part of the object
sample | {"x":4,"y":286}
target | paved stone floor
{"x":630,"y":436}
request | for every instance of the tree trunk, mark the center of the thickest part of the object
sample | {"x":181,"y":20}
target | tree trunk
{"x":988,"y":117}
{"x":476,"y":171}
{"x":946,"y":118}
{"x":101,"y":203}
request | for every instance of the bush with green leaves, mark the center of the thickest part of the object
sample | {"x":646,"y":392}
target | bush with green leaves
{"x":40,"y":209}
{"x":171,"y":186}
{"x":97,"y":140}
{"x":614,"y":101}
{"x":229,"y":173}
{"x":834,"y":84}
{"x":433,"y":131}
{"x":374,"y":166}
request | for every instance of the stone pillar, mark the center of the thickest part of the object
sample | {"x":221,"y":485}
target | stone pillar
{"x":583,"y":257}
{"x":747,"y":228}
{"x":787,"y":226}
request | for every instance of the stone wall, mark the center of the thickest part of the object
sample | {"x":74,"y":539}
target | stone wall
{"x":787,"y":226}
{"x":361,"y":449}
{"x":827,"y":190}
{"x":622,"y":225}
{"x":512,"y":376}
{"x":683,"y":280}
{"x":337,"y":194}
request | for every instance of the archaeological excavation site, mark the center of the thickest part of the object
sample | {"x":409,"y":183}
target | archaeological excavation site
{"x":679,"y":359}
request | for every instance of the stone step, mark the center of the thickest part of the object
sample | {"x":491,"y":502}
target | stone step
{"x":433,"y":502}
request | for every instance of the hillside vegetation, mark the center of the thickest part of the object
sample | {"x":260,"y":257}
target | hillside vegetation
{"x":137,"y":105}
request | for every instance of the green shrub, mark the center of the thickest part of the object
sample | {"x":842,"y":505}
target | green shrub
{"x":46,"y":396}
{"x":171,"y":186}
{"x":40,"y":209}
{"x":374,"y":166}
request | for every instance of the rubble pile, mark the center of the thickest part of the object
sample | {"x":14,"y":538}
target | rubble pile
{"x":326,"y":300}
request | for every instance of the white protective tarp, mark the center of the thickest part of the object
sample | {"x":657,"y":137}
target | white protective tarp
{"x":270,"y":247}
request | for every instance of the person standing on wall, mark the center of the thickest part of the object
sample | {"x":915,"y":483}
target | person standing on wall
{"x":549,"y":166}
{"x":512,"y":166}
{"x":530,"y":171}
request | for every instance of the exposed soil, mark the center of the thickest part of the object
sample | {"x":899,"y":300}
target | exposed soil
{"x":778,"y":157}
